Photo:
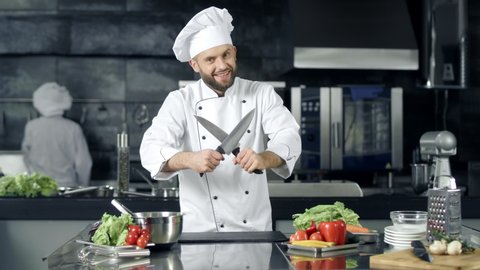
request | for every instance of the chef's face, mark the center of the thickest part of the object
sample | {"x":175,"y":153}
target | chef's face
{"x":217,"y":67}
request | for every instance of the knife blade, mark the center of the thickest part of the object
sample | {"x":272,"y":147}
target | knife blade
{"x":420,"y":251}
{"x":229,"y":142}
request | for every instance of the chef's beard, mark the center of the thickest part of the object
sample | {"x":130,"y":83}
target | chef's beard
{"x":217,"y":86}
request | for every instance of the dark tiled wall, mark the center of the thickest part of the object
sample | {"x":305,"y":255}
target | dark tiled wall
{"x":115,"y":55}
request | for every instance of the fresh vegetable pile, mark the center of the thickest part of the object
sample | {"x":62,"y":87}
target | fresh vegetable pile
{"x":120,"y":231}
{"x":32,"y":185}
{"x":325,"y":225}
{"x":322,"y":213}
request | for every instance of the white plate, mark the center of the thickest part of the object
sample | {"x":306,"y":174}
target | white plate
{"x":402,"y":241}
{"x":397,"y":231}
{"x":406,"y":237}
{"x":395,"y":244}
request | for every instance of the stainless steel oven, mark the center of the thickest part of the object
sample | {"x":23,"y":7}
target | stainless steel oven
{"x":350,"y":128}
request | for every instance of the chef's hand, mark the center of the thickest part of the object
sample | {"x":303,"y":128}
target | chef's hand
{"x":205,"y":160}
{"x":250,"y":160}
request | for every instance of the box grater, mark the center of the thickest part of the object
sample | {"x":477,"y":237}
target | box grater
{"x":444,"y":212}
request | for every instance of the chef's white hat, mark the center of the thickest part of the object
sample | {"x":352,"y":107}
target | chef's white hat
{"x":209,"y":28}
{"x":52,"y":99}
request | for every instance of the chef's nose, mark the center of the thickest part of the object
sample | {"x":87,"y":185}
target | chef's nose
{"x":220,"y":63}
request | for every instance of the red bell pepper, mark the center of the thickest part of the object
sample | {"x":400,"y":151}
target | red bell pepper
{"x":333,"y":231}
{"x":312,"y":228}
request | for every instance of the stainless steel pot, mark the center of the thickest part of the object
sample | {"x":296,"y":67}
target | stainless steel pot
{"x":164,"y":227}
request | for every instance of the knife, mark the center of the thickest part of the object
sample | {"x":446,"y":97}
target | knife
{"x":420,"y":251}
{"x":229,"y":141}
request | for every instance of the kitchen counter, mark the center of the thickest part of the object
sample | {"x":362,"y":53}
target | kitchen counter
{"x":235,"y":254}
{"x":60,"y":208}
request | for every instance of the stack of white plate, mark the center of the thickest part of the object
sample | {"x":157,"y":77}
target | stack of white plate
{"x":401,"y":238}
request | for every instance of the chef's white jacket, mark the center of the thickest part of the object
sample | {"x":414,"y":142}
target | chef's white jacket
{"x":56,"y":146}
{"x":229,"y":198}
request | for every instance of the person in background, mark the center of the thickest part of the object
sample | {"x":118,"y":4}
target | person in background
{"x":219,"y":193}
{"x":54,"y":145}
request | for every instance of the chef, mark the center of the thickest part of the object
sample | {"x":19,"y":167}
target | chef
{"x":54,"y":145}
{"x":217,"y":192}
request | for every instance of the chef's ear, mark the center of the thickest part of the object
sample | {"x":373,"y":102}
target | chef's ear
{"x":194,"y":64}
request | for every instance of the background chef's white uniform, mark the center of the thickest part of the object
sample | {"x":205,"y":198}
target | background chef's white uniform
{"x":54,"y":145}
{"x":228,"y":199}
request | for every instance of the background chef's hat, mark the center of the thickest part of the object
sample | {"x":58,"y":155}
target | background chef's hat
{"x":209,"y":28}
{"x":52,"y":99}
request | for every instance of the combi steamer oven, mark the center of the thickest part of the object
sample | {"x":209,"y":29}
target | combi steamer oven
{"x":349,"y":128}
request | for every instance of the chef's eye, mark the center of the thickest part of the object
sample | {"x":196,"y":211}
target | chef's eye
{"x":210,"y":60}
{"x":227,"y":54}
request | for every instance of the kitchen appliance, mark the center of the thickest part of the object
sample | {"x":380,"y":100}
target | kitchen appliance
{"x":444,"y":202}
{"x":444,"y":53}
{"x":352,"y":34}
{"x":350,"y":128}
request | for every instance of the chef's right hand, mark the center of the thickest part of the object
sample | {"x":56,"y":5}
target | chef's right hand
{"x":206,"y":160}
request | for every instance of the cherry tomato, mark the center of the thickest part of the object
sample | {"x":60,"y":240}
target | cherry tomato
{"x":316,"y":236}
{"x":317,"y":264}
{"x":302,"y":265}
{"x":134,"y":228}
{"x":142,"y":242}
{"x":300,"y":235}
{"x":131,"y":238}
{"x":144,"y":231}
{"x":147,"y":236}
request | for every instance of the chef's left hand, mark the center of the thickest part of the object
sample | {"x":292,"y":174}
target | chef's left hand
{"x":249,"y":160}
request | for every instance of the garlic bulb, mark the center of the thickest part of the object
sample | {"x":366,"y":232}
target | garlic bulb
{"x":438,"y":247}
{"x":454,"y":248}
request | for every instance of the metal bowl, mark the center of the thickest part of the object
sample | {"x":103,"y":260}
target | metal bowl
{"x":164,"y":227}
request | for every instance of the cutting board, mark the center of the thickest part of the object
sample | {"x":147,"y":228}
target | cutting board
{"x":405,"y":259}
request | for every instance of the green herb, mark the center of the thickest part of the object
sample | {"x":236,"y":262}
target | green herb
{"x":322,"y":213}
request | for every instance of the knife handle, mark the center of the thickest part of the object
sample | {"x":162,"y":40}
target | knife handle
{"x":236,"y":151}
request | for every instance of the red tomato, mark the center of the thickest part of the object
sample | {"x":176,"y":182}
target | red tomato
{"x":146,"y":234}
{"x":142,"y":242}
{"x":134,"y":228}
{"x":316,"y":236}
{"x":131,"y":238}
{"x":335,"y":263}
{"x":312,"y":229}
{"x":302,"y":265}
{"x":144,"y":231}
{"x":300,"y":235}
{"x":317,"y":264}
{"x":292,"y":238}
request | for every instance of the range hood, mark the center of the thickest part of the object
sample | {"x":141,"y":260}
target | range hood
{"x":353,"y":34}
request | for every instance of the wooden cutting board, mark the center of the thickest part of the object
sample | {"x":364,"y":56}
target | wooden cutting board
{"x":405,"y":259}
